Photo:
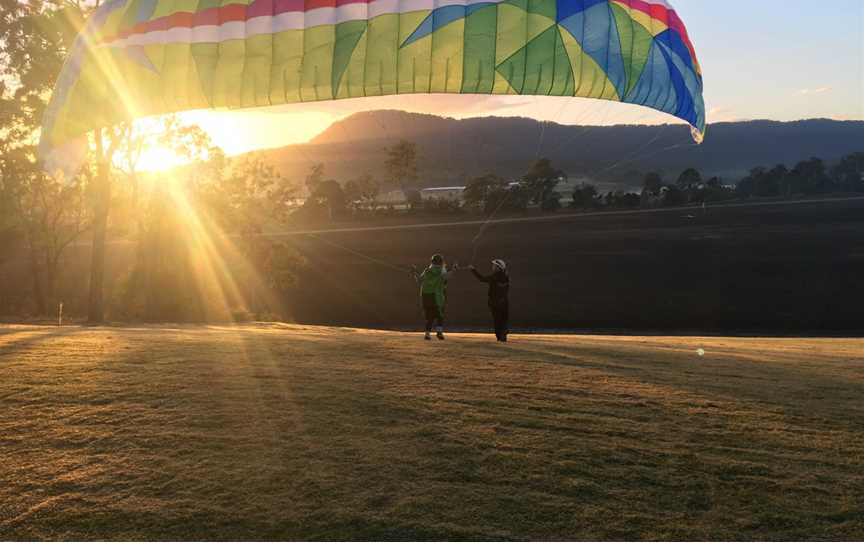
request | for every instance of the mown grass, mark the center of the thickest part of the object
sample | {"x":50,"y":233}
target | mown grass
{"x":293,"y":433}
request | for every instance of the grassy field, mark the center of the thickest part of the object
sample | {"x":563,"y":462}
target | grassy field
{"x":792,"y":269}
{"x":304,"y":433}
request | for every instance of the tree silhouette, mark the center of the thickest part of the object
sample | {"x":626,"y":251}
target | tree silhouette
{"x":401,"y":164}
{"x":541,"y":181}
{"x":848,"y":174}
{"x":689,"y":179}
{"x":652,"y":184}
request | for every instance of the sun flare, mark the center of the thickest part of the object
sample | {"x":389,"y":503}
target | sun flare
{"x":160,"y":158}
{"x":238,"y":132}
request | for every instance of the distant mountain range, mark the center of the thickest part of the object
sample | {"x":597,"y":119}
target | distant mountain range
{"x":453,"y":150}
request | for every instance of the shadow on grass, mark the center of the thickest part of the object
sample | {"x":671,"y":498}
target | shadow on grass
{"x":14,"y":339}
{"x":216,"y":435}
{"x":795,"y":389}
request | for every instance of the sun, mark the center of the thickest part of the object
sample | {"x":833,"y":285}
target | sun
{"x":234,"y":132}
{"x":160,"y":158}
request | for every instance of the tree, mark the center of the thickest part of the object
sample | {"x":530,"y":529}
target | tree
{"x":161,"y":285}
{"x":49,"y":213}
{"x":315,"y":178}
{"x":652,"y":183}
{"x":175,"y":276}
{"x":107,"y":142}
{"x":541,"y":181}
{"x":517,"y":197}
{"x":673,"y":196}
{"x":848,"y":174}
{"x":361,"y":192}
{"x":324,"y":195}
{"x":353,"y":195}
{"x":715,"y":190}
{"x":585,"y":196}
{"x":34,"y":39}
{"x":810,"y":177}
{"x":253,"y":196}
{"x":749,"y":186}
{"x":775,"y":182}
{"x":689,"y":179}
{"x":413,"y":198}
{"x":187,"y":142}
{"x":764,"y":183}
{"x":8,"y":225}
{"x":551,"y":201}
{"x":622,"y":200}
{"x":369,"y":190}
{"x":485,"y":193}
{"x":401,"y":164}
{"x":330,"y":195}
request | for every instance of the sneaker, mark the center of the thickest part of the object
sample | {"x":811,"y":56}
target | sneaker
{"x":427,"y":337}
{"x":440,"y":335}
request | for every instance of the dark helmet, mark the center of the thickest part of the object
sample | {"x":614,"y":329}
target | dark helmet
{"x":437,"y":259}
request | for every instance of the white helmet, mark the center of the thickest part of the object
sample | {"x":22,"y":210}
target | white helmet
{"x":500,"y":264}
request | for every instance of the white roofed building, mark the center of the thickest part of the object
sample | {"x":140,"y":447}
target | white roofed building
{"x":446,"y":193}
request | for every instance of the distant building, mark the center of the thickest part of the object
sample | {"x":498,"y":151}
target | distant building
{"x":447,"y":193}
{"x":393,"y":199}
{"x":566,"y":187}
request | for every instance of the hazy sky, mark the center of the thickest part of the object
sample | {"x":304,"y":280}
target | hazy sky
{"x":774,"y":59}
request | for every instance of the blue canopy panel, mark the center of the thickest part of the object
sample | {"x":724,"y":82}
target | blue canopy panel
{"x":441,"y":17}
{"x":592,"y":24}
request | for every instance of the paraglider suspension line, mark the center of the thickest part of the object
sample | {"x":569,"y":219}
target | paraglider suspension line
{"x":360,"y":254}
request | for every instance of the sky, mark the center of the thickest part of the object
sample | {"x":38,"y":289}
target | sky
{"x":762,"y":59}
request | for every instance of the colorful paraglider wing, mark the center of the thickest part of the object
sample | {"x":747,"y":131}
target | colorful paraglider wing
{"x":145,"y":57}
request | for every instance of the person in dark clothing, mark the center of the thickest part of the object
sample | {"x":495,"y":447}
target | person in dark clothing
{"x":499,"y":297}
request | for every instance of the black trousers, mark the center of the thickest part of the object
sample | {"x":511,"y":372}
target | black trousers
{"x":434,"y":314}
{"x":500,"y":310}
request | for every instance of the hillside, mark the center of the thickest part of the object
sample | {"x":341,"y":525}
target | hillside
{"x":452,"y":149}
{"x":301,"y":433}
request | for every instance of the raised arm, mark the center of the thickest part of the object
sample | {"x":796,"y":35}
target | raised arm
{"x":481,"y":278}
{"x":450,"y":271}
{"x":418,"y":277}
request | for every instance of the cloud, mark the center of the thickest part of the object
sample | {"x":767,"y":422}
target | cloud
{"x":722,"y":114}
{"x":812,"y":91}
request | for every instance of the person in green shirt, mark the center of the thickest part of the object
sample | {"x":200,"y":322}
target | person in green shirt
{"x":433,"y":292}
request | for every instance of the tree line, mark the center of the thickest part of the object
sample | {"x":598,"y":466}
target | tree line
{"x":489,"y":193}
{"x":539,"y":188}
{"x":808,"y":177}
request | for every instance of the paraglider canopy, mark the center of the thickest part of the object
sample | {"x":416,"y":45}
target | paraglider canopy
{"x":137,"y":58}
